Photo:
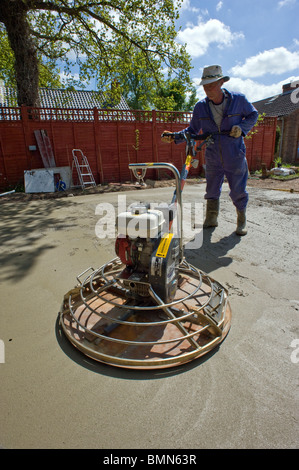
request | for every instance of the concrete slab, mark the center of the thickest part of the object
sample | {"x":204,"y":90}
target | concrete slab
{"x":242,"y":395}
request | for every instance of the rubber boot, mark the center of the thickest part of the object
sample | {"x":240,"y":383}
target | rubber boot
{"x":212,"y":211}
{"x":241,"y":223}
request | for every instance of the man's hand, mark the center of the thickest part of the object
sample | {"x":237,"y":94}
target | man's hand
{"x":236,"y":132}
{"x":167,"y":138}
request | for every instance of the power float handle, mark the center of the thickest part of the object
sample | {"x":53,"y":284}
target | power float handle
{"x":188,"y":136}
{"x":137,"y":167}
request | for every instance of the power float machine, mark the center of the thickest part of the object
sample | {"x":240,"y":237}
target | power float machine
{"x":145,"y":243}
{"x":148,"y":307}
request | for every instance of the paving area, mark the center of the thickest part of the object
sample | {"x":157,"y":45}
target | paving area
{"x":242,"y":395}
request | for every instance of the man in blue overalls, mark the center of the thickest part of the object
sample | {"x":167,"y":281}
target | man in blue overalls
{"x":220,"y":111}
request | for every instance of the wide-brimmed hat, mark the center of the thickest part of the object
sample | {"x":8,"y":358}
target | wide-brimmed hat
{"x":211,"y":74}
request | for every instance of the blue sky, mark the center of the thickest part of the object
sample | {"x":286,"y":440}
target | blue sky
{"x":255,"y":41}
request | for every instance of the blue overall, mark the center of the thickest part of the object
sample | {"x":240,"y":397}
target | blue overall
{"x":226,"y":157}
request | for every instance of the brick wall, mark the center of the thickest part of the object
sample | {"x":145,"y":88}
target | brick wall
{"x":290,"y":138}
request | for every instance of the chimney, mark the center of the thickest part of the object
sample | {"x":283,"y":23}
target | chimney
{"x":287,"y":87}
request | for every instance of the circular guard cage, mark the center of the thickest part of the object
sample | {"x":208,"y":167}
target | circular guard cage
{"x":107,"y":322}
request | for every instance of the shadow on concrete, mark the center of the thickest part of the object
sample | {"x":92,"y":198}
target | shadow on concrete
{"x":121,"y":373}
{"x":23,"y":227}
{"x":212,"y":255}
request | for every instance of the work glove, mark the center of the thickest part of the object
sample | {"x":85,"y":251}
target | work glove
{"x":236,"y":132}
{"x":167,"y":138}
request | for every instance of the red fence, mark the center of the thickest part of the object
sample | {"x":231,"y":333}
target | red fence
{"x":111,"y":139}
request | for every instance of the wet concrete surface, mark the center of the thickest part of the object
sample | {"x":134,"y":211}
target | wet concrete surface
{"x":242,"y":395}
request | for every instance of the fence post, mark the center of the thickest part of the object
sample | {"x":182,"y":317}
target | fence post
{"x":154,"y":142}
{"x":154,"y":135}
{"x":97,"y":143}
{"x":118,"y":148}
{"x":274,"y":119}
{"x":262,"y":145}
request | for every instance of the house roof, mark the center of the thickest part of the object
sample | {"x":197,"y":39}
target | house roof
{"x":52,"y":98}
{"x":279,"y":105}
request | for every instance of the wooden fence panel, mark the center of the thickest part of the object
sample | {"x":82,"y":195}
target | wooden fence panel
{"x":13,"y":157}
{"x":63,"y":143}
{"x":109,"y":152}
{"x":260,"y":146}
{"x":110,"y":139}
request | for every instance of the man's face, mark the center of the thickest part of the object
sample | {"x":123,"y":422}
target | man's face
{"x":213,"y":90}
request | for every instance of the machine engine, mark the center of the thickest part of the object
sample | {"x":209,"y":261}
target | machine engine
{"x":149,"y":252}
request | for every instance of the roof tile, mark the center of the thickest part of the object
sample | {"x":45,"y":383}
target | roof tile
{"x":58,"y":98}
{"x":278,"y":105}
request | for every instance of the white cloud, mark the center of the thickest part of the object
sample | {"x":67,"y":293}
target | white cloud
{"x":284,"y":3}
{"x":199,"y":37}
{"x":273,"y":61}
{"x":219,"y":6}
{"x":204,"y":12}
{"x":186,"y":5}
{"x":253,"y":90}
